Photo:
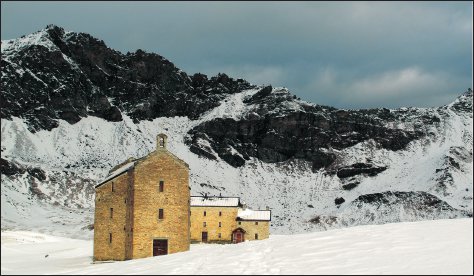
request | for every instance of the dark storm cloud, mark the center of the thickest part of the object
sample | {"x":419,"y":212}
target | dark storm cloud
{"x":344,"y":54}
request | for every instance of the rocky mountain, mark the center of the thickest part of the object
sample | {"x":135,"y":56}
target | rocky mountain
{"x":72,"y":108}
{"x":53,"y":74}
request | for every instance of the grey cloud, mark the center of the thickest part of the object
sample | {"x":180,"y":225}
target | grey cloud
{"x":411,"y":86}
{"x":366,"y":48}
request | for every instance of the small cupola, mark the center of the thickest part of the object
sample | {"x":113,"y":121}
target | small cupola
{"x":161,"y":141}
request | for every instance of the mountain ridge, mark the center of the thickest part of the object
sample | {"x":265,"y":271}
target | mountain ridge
{"x":74,"y":108}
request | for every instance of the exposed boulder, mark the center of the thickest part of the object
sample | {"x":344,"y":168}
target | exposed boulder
{"x":350,"y":186}
{"x":359,"y":168}
{"x":339,"y":201}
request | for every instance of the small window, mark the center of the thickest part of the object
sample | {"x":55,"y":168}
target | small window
{"x":160,"y":214}
{"x":204,"y":213}
{"x":113,"y":187}
{"x":220,"y":214}
{"x":219,"y":235}
{"x":110,"y":237}
{"x":256,"y":223}
{"x":111,"y":212}
{"x":256,"y":236}
{"x":162,"y":186}
{"x":125,"y":201}
{"x":162,"y":142}
{"x":220,"y":224}
{"x":204,"y":224}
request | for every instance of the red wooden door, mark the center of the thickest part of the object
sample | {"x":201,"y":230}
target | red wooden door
{"x":238,"y":237}
{"x":160,"y":247}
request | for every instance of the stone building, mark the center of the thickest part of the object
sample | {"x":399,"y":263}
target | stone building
{"x":142,"y":207}
{"x":226,"y":220}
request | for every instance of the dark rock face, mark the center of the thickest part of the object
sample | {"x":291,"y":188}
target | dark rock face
{"x":9,"y":168}
{"x":202,"y":152}
{"x":37,"y":173}
{"x":301,"y":135}
{"x":359,"y":168}
{"x":12,"y":169}
{"x":444,"y":177}
{"x":389,"y":207}
{"x":260,"y":95}
{"x":80,"y":76}
{"x":325,"y":220}
{"x":233,"y":159}
{"x":421,"y":203}
{"x":280,"y":128}
{"x":464,"y":105}
{"x":74,"y":75}
{"x":423,"y":199}
{"x":350,"y":186}
{"x":322,"y":160}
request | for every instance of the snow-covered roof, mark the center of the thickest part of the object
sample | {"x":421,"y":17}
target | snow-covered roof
{"x":215,"y":201}
{"x":247,"y":214}
{"x":117,"y":172}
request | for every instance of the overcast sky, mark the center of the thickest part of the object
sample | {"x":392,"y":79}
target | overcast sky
{"x":342,"y":54}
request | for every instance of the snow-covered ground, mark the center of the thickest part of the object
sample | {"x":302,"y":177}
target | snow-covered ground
{"x":426,"y":247}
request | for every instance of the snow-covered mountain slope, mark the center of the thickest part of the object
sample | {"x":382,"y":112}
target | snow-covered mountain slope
{"x":315,"y":166}
{"x":72,"y":157}
{"x":428,"y":247}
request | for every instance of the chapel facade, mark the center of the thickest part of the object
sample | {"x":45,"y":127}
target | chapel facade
{"x":142,"y":207}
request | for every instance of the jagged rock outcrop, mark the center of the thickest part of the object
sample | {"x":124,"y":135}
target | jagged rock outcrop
{"x":359,"y":168}
{"x":53,"y":74}
{"x":389,"y":207}
{"x":10,"y":168}
{"x":308,"y":132}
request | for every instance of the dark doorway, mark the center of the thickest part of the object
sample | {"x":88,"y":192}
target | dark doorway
{"x":238,"y":235}
{"x":204,"y":236}
{"x":160,"y":247}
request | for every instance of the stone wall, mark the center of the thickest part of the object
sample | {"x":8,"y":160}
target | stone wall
{"x":212,"y":219}
{"x":161,"y":165}
{"x":262,"y":229}
{"x":104,"y":224}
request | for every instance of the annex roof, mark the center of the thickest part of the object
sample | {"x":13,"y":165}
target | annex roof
{"x":215,"y":201}
{"x":247,"y":214}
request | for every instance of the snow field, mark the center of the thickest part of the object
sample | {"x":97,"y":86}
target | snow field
{"x":427,"y":247}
